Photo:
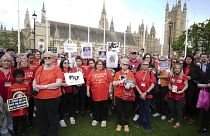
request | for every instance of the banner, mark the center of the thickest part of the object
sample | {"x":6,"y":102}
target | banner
{"x":74,"y":78}
{"x":18,"y":101}
{"x":86,"y":51}
{"x":164,"y":65}
{"x":69,"y":48}
{"x":102,"y":55}
{"x":113,"y":46}
{"x":112,"y":59}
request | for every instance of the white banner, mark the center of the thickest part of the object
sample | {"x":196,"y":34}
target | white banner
{"x":74,"y":78}
{"x":86,"y":50}
{"x":113,"y":46}
{"x":112,"y":59}
{"x":69,"y":48}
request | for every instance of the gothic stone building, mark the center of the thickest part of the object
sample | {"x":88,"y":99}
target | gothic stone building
{"x":55,"y":34}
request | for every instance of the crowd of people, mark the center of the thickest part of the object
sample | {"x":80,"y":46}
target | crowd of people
{"x":137,"y":89}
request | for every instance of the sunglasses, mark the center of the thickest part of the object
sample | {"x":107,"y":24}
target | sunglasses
{"x":125,"y":64}
{"x":48,"y":58}
{"x":134,"y":53}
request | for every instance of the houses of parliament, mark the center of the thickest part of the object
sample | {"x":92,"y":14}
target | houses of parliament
{"x":56,"y":34}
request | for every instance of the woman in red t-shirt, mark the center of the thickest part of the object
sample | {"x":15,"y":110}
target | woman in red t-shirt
{"x":145,"y":82}
{"x":47,"y":82}
{"x":177,"y":85}
{"x":124,"y":80}
{"x":99,"y":81}
{"x":28,"y":79}
{"x":67,"y":98}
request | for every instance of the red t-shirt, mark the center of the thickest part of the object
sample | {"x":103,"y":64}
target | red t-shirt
{"x":45,"y":77}
{"x":67,"y":89}
{"x":25,"y":88}
{"x":144,"y":79}
{"x":99,"y":80}
{"x":29,"y":76}
{"x":179,"y":82}
{"x":5,"y":82}
{"x":134,"y":63}
{"x":119,"y":88}
{"x":187,"y":70}
{"x":86,"y":70}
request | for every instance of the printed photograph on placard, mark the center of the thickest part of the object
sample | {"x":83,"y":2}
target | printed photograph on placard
{"x":74,"y":78}
{"x":69,"y":48}
{"x":86,"y":51}
{"x":113,"y":46}
{"x":102,"y":55}
{"x":164,"y":65}
{"x":112,"y":59}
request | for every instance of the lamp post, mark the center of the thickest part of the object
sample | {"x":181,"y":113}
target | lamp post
{"x":169,"y":40}
{"x":34,"y":17}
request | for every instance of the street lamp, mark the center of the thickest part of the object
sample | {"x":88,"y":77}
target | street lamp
{"x":169,"y":41}
{"x":34,"y":16}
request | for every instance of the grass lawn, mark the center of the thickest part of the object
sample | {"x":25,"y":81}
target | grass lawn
{"x":159,"y":128}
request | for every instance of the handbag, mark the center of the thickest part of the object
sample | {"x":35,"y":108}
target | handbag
{"x":128,"y":95}
{"x":203,"y":99}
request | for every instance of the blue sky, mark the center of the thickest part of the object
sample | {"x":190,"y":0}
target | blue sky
{"x":87,"y":12}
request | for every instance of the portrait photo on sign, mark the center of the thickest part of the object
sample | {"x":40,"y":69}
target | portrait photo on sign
{"x":164,"y":65}
{"x":86,"y":51}
{"x":112,"y":59}
{"x":102,"y":55}
{"x":113,"y":46}
{"x":74,"y":78}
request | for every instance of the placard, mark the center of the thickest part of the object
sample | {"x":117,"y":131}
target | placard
{"x":86,"y":51}
{"x":74,"y":78}
{"x":113,"y":46}
{"x":19,"y":102}
{"x":102,"y":55}
{"x":69,"y":48}
{"x":112,"y":60}
{"x":164,"y":65}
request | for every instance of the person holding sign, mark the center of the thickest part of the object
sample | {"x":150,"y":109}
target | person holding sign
{"x":177,"y":85}
{"x":6,"y":80}
{"x":47,"y":82}
{"x":19,"y":90}
{"x":123,"y":106}
{"x":99,"y":81}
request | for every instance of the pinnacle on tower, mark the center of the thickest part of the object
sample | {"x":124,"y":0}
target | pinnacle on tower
{"x":112,"y":26}
{"x":27,"y":24}
{"x":167,"y":6}
{"x":185,"y":6}
{"x":43,"y":14}
{"x":43,"y":8}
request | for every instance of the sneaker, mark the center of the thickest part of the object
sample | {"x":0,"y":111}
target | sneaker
{"x":91,"y":115}
{"x":163,"y":117}
{"x":103,"y":123}
{"x":126,"y":128}
{"x":62,"y":123}
{"x":94,"y":123}
{"x":137,"y":125}
{"x":119,"y":127}
{"x":156,"y":114}
{"x":136,"y":117}
{"x":72,"y":121}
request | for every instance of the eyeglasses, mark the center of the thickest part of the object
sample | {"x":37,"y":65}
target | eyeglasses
{"x":134,"y":53}
{"x":66,"y":63}
{"x":125,"y":64}
{"x":48,"y":58}
{"x":145,"y":64}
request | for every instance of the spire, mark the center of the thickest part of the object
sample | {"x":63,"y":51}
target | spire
{"x":27,"y":24}
{"x":56,"y":35}
{"x":153,"y":31}
{"x":112,"y":26}
{"x":185,"y":6}
{"x":129,"y":28}
{"x":103,"y":19}
{"x":142,"y":24}
{"x":179,"y":3}
{"x":167,"y":6}
{"x":104,"y":9}
{"x":43,"y":14}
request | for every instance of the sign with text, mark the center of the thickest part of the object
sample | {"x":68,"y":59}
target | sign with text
{"x":74,"y":78}
{"x":69,"y":48}
{"x":86,"y":51}
{"x":17,"y":103}
{"x":52,"y":49}
{"x":113,"y":46}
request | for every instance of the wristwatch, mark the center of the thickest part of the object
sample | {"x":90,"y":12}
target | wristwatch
{"x":45,"y":86}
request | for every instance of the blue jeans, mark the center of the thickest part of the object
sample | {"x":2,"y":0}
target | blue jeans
{"x":144,"y":113}
{"x":9,"y":122}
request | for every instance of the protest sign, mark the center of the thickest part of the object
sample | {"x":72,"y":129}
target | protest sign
{"x":74,"y":78}
{"x":86,"y":50}
{"x":112,"y":59}
{"x":69,"y":48}
{"x":102,"y":55}
{"x":113,"y":46}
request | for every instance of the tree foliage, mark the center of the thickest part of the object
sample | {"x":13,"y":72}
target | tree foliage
{"x":9,"y":39}
{"x":198,"y":39}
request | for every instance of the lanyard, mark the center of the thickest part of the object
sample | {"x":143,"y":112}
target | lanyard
{"x":143,"y":79}
{"x":7,"y":76}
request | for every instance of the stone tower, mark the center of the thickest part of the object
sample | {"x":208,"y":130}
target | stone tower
{"x":103,"y":21}
{"x":43,"y":14}
{"x":112,"y":26}
{"x":141,"y":34}
{"x":27,"y":24}
{"x":177,"y":17}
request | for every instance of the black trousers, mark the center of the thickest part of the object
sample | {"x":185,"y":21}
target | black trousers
{"x":175,"y":107}
{"x":67,"y":105}
{"x":80,"y":99}
{"x":100,"y":110}
{"x":205,"y":118}
{"x":162,"y":104}
{"x":20,"y":125}
{"x":123,"y":111}
{"x":47,"y":115}
{"x":31,"y":109}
